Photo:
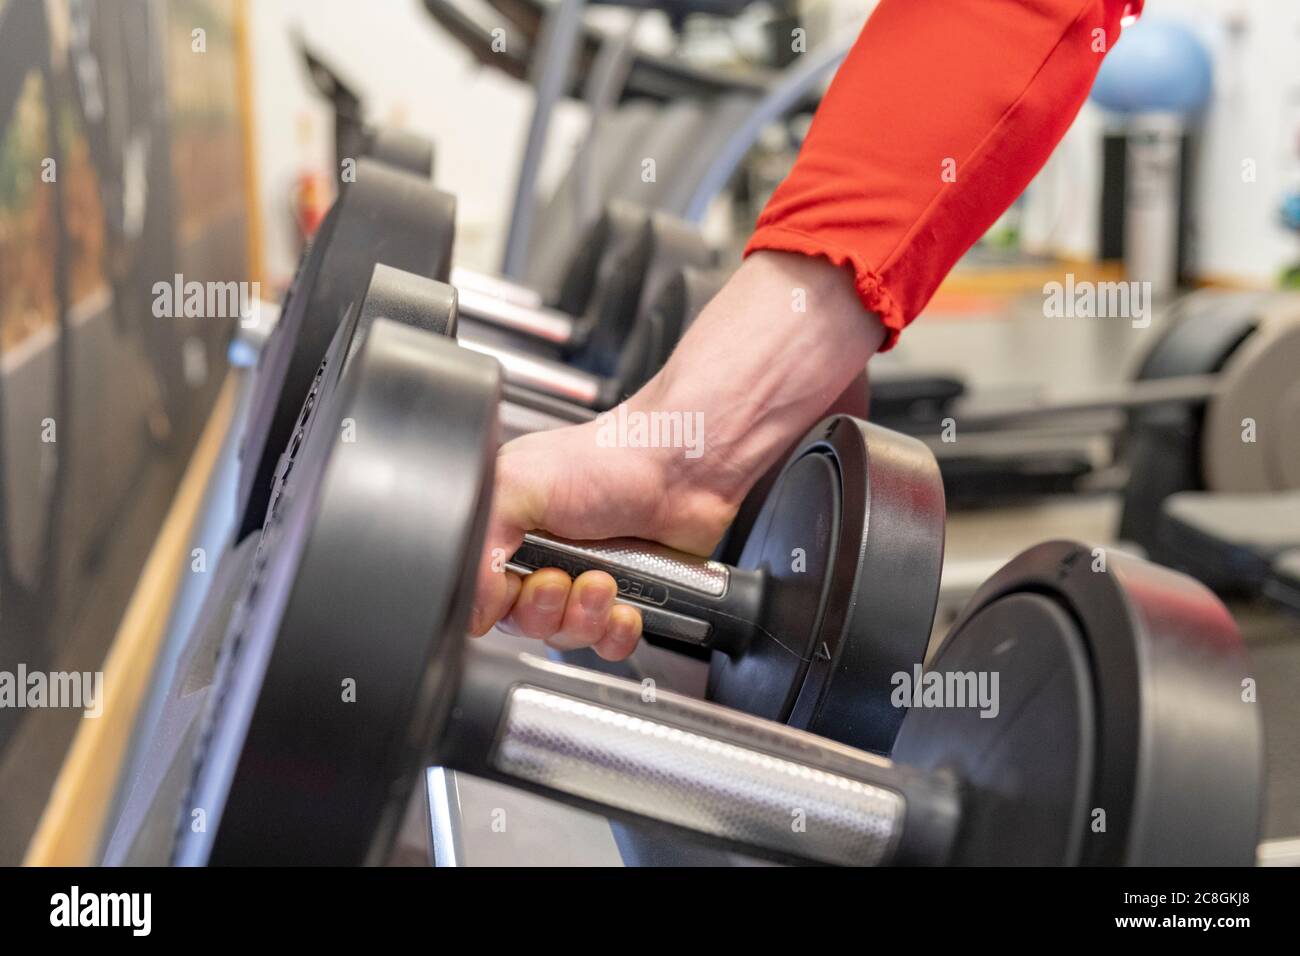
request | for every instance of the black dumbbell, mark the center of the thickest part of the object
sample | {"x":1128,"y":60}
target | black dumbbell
{"x":622,"y":258}
{"x":817,"y":613}
{"x":596,"y":319}
{"x":602,"y":333}
{"x":1120,"y":733}
{"x":383,"y":216}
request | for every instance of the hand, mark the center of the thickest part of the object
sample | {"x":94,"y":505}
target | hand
{"x":752,"y":374}
{"x":572,"y":484}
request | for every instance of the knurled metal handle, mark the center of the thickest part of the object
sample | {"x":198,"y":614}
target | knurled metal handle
{"x":695,"y":781}
{"x":644,"y":558}
{"x":681,"y":597}
{"x":636,"y":751}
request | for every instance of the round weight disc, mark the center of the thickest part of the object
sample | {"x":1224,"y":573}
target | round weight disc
{"x":679,"y":299}
{"x":386,"y":216}
{"x":1251,"y":438}
{"x":402,"y":150}
{"x":616,"y":227}
{"x":1007,"y":705}
{"x":880,"y":525}
{"x":336,"y":672}
{"x":1204,"y":328}
{"x":1178,"y":760}
{"x":612,"y":310}
{"x":802,"y":519}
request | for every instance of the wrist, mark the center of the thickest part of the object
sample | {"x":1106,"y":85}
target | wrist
{"x":762,"y":363}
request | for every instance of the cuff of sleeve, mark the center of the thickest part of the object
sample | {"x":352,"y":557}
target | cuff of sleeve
{"x":870,"y":288}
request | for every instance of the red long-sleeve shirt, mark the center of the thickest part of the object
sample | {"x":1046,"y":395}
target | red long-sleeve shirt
{"x":937,"y":120}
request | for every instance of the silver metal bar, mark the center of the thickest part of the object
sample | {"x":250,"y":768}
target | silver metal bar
{"x":634,"y":751}
{"x":1145,"y":393}
{"x":541,"y":323}
{"x":444,"y":816}
{"x":644,"y":558}
{"x":499,"y":287}
{"x":549,"y":377}
{"x":695,"y":781}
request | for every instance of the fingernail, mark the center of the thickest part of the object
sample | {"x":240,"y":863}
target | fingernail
{"x":596,"y":600}
{"x":550,"y":597}
{"x":621,"y":631}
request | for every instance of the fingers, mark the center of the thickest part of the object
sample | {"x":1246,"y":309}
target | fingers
{"x":587,"y":613}
{"x":495,"y":591}
{"x":539,"y":608}
{"x":621,"y":636}
{"x":571,"y":614}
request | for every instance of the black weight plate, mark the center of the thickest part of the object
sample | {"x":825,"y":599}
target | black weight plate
{"x":402,"y":150}
{"x":365,"y":575}
{"x":1203,"y":331}
{"x":386,"y":216}
{"x":1178,"y":764}
{"x":1026,"y":768}
{"x":679,"y":300}
{"x":407,"y":299}
{"x":614,"y":304}
{"x":870,"y":520}
{"x":611,"y":231}
{"x":1163,"y":447}
{"x":630,"y":341}
{"x":804,"y":515}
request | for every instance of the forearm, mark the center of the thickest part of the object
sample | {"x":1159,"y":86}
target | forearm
{"x":764,"y":361}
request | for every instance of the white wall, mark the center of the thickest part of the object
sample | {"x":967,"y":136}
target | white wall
{"x":1254,"y":116}
{"x":410,"y":73}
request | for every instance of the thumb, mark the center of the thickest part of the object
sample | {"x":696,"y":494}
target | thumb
{"x":512,"y":514}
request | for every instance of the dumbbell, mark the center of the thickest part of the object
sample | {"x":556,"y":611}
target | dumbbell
{"x":1120,"y":733}
{"x":610,"y":344}
{"x":596,"y":320}
{"x":383,"y":216}
{"x":824,"y":602}
{"x":622,"y":258}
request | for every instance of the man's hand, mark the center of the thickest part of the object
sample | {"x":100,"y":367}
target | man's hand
{"x":754,"y":370}
{"x":566,"y":483}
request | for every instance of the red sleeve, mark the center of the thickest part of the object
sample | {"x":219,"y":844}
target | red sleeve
{"x":936,"y":121}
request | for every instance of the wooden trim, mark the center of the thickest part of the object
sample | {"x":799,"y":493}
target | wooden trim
{"x":248,"y":129}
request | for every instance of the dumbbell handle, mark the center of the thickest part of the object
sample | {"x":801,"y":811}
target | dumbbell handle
{"x":497,"y":286}
{"x":681,"y":596}
{"x":539,"y":322}
{"x":629,"y":750}
{"x":543,"y":375}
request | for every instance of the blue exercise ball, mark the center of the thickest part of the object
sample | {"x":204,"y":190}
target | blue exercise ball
{"x":1158,"y":65}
